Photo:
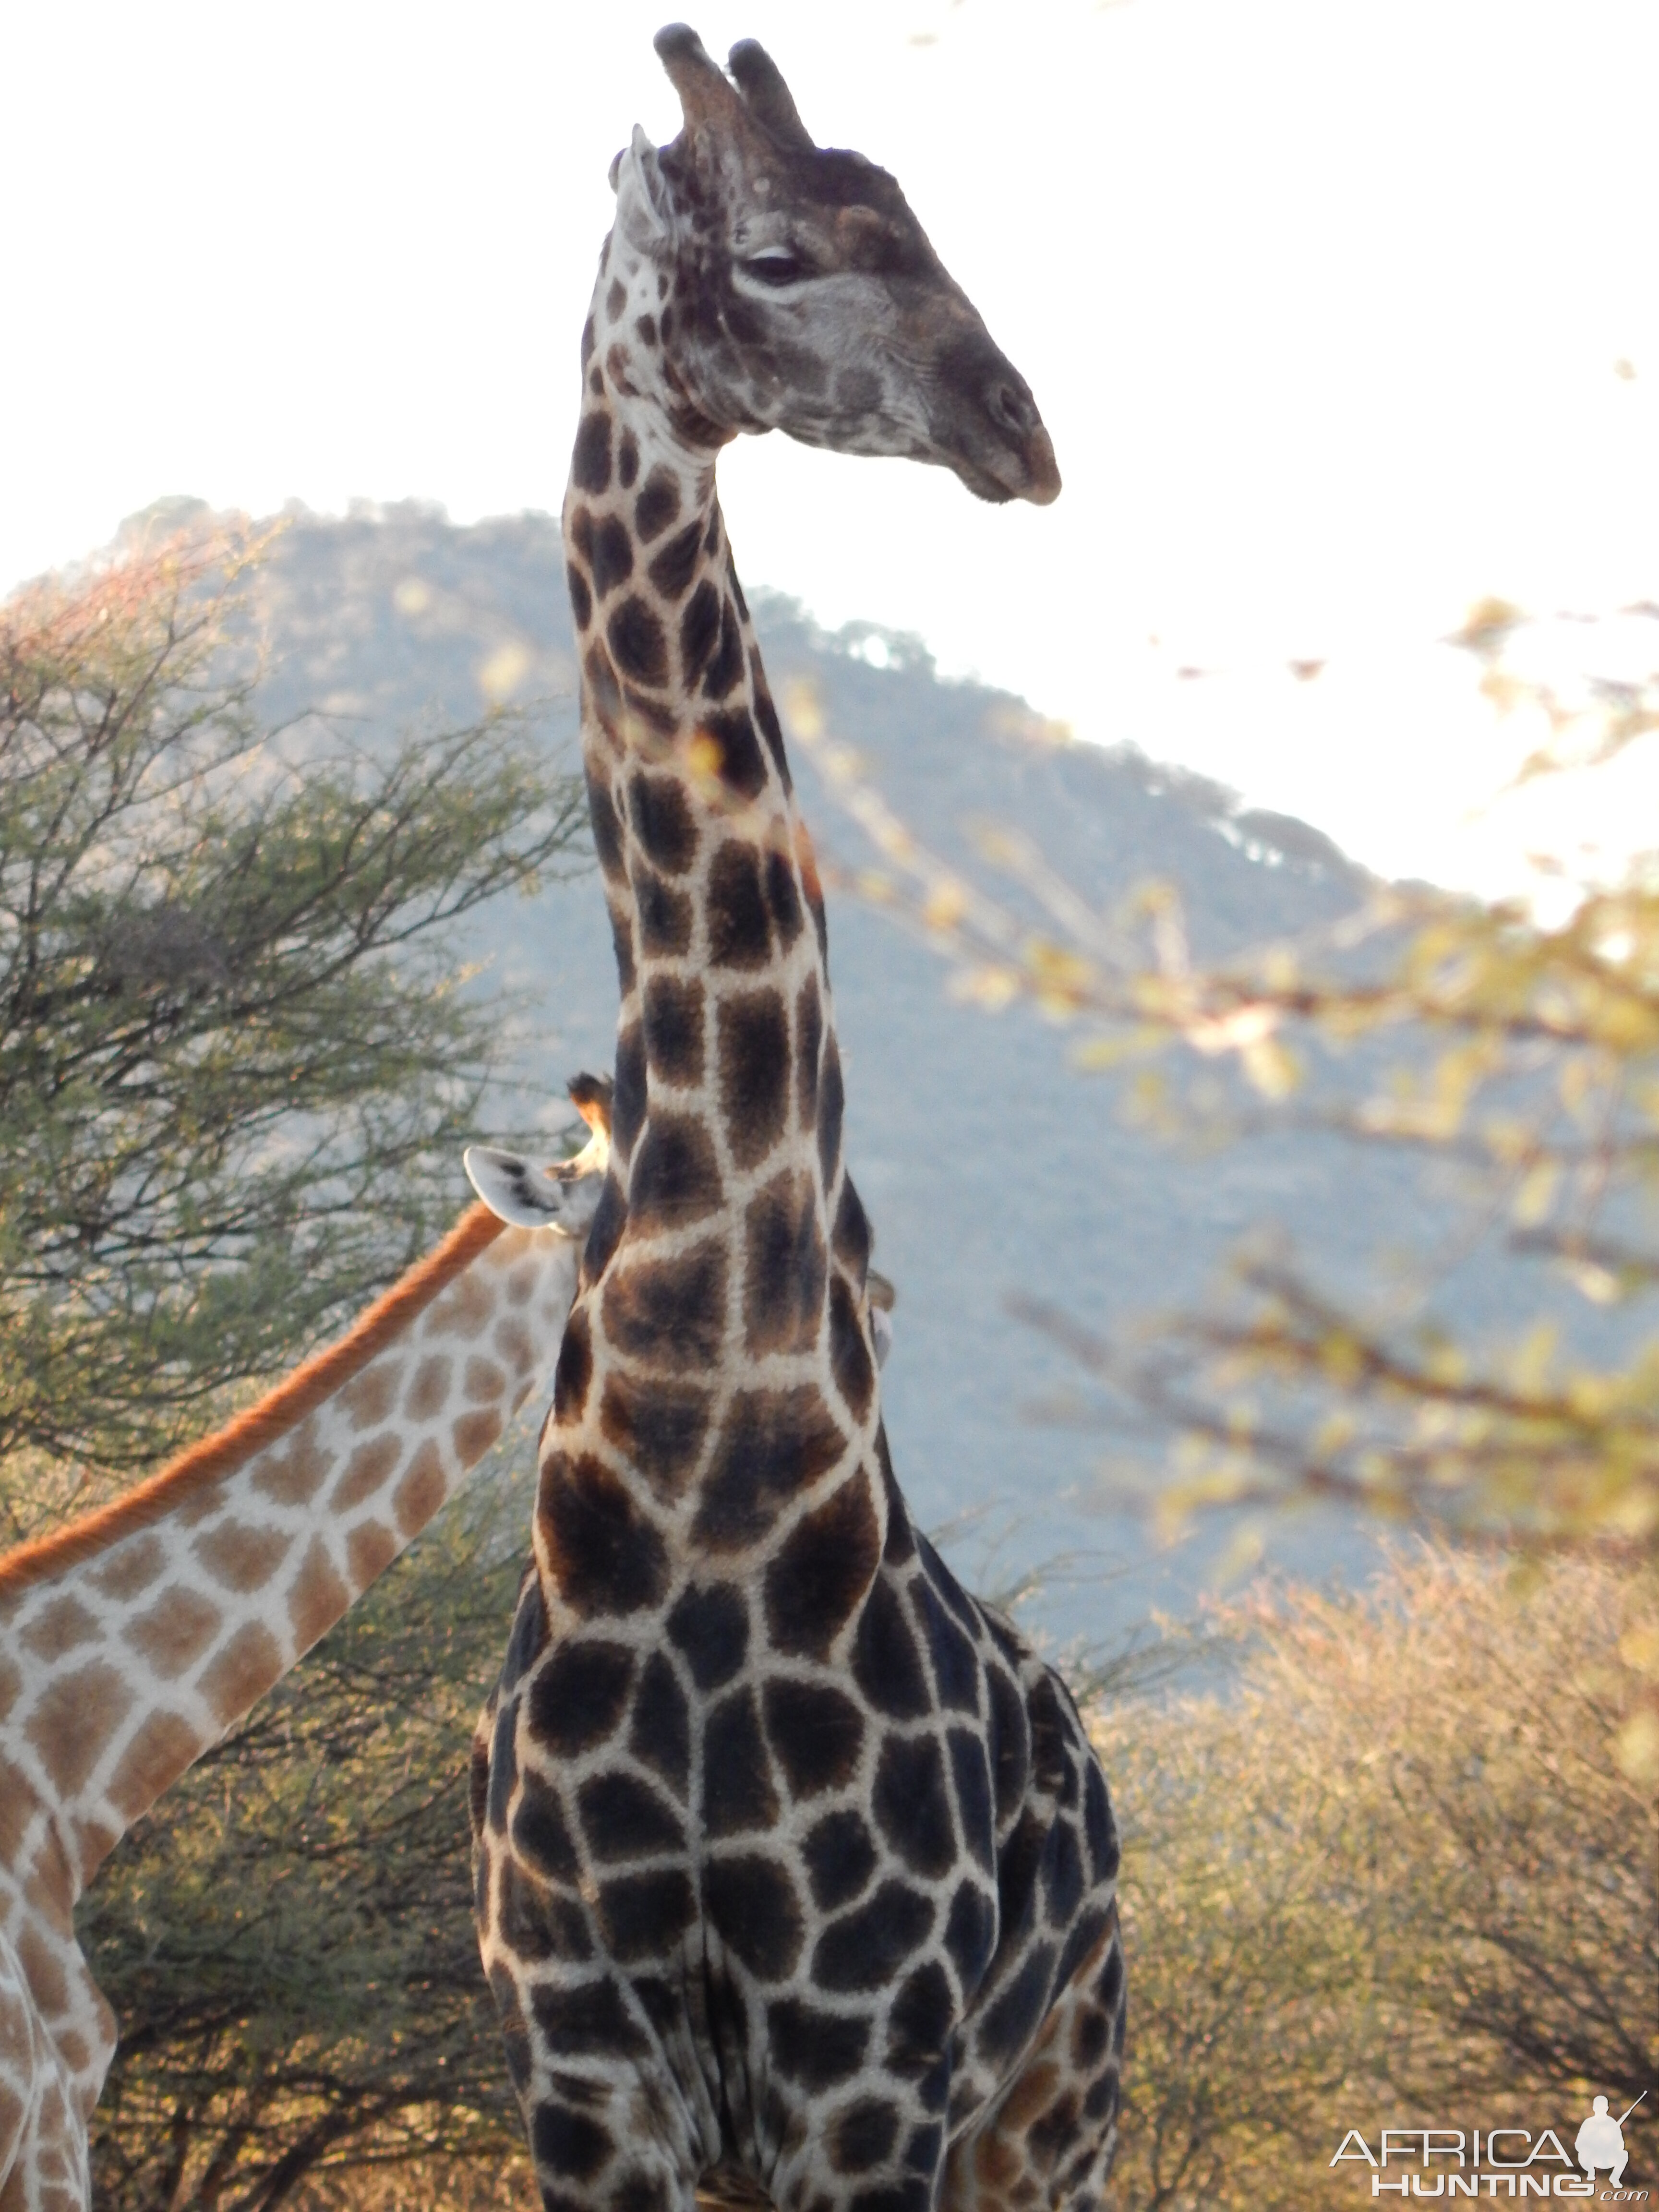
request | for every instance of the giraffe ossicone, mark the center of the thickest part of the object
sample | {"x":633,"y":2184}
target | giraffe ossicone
{"x":795,"y":1872}
{"x":133,"y":1638}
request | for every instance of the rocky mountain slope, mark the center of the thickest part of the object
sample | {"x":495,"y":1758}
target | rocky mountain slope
{"x":989,"y":1166}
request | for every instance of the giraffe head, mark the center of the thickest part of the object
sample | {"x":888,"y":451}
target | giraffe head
{"x":770,"y":283}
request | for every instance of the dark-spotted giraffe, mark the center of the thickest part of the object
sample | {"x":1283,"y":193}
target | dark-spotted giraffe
{"x":795,"y":1872}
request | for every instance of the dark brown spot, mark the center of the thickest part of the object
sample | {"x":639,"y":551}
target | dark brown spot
{"x":672,"y":1015}
{"x":603,"y":1553}
{"x":912,"y":1806}
{"x":659,"y":1427}
{"x":658,"y":504}
{"x":660,"y":1735}
{"x":737,"y":1795}
{"x":634,"y":636}
{"x":700,"y":626}
{"x":753,"y":1029}
{"x":815,"y":2047}
{"x":590,"y":464}
{"x":739,"y":929}
{"x":726,"y":666}
{"x":886,"y":1665}
{"x":710,"y":1627}
{"x":665,"y":915}
{"x":772,"y":1444}
{"x":754,"y":1909}
{"x":580,"y":1696}
{"x":675,"y":566}
{"x":864,"y":1949}
{"x":627,"y":460}
{"x":823,"y":1571}
{"x":785,"y":1268}
{"x":674,"y":1178}
{"x":817,"y":1732}
{"x":645,"y":330}
{"x":624,"y":1818}
{"x":662,"y":822}
{"x":615,"y":299}
{"x":671,"y":1312}
{"x":574,"y":1372}
{"x":613,"y":555}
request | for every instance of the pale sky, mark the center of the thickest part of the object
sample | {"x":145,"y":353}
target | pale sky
{"x":1342,"y":316}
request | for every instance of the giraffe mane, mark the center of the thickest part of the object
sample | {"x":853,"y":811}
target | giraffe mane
{"x":281,"y":1408}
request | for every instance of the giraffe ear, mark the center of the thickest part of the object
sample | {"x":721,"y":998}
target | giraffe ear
{"x":881,"y":1328}
{"x":526,"y":1197}
{"x":644,"y":208}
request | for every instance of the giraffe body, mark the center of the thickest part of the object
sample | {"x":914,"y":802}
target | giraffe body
{"x":131,"y":1640}
{"x":795,"y":1872}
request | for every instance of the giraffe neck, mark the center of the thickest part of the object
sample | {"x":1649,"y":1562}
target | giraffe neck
{"x":130,"y":1641}
{"x":719,"y":1371}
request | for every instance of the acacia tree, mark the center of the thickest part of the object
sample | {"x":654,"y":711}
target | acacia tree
{"x":234,"y":1068}
{"x":1391,"y":1878}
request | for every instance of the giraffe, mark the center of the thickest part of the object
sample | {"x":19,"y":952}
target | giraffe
{"x":130,"y":1640}
{"x":794,"y":1871}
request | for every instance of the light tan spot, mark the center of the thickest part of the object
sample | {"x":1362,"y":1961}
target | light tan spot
{"x":521,"y":1285}
{"x":1031,"y":2095}
{"x":512,"y":1341}
{"x":996,"y":2162}
{"x":131,"y":1567}
{"x":73,"y":1720}
{"x":242,"y":1557}
{"x":64,"y":1626}
{"x":421,"y":1492}
{"x":95,"y":1843}
{"x":200,"y":1505}
{"x":50,"y":1886}
{"x":366,"y":1471}
{"x":370,"y":1551}
{"x":318,"y":1598}
{"x":163,"y":1747}
{"x":17,"y":1808}
{"x":473,"y":1435}
{"x":370,"y":1396}
{"x":243,"y":1672}
{"x":293,"y":1473}
{"x":43,"y":1969}
{"x":485,"y":1382}
{"x":16,"y":2049}
{"x":176,"y":1631}
{"x":428,"y":1392}
{"x":467,"y":1308}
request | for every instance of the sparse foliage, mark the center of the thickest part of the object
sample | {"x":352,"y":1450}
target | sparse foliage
{"x":1520,"y":1052}
{"x":234,"y":1073}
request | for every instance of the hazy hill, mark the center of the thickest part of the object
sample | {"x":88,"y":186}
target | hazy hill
{"x":987,"y":1164}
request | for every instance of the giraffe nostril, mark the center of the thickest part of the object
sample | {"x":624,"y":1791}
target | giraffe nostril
{"x":1012,"y":408}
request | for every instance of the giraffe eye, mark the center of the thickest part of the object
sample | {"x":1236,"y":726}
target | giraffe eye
{"x":778,"y":268}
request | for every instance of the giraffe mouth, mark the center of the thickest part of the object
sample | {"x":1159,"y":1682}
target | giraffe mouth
{"x":1026,"y":471}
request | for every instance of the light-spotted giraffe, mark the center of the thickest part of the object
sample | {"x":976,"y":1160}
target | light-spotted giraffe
{"x":795,"y":1872}
{"x":132,"y":1639}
